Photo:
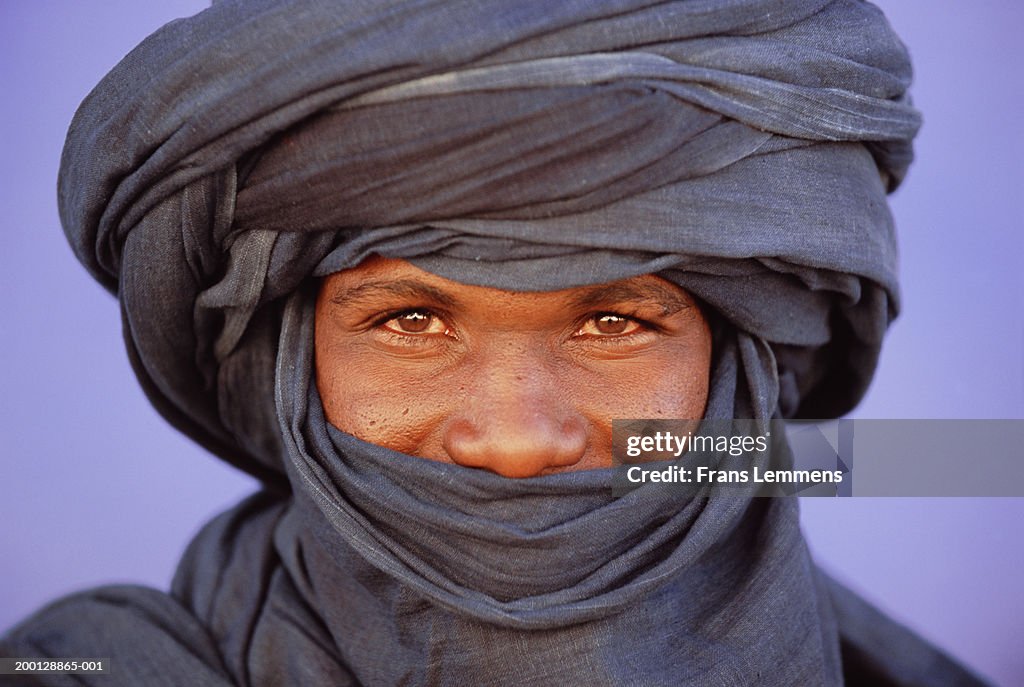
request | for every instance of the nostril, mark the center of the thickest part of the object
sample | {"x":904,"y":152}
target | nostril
{"x":522,"y":446}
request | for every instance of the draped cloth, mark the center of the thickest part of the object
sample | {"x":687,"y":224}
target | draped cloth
{"x":741,"y":149}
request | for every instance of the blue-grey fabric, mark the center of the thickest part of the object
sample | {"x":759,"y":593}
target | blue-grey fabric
{"x":742,"y":149}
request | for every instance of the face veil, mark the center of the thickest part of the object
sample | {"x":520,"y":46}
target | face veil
{"x":739,"y":149}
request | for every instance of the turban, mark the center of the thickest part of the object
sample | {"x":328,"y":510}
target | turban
{"x":221,"y":162}
{"x":742,"y":149}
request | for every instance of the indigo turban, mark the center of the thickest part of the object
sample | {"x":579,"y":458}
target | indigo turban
{"x":745,"y":144}
{"x":742,"y":149}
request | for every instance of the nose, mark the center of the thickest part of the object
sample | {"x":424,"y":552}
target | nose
{"x":516,"y":422}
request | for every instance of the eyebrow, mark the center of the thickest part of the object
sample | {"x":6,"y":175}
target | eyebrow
{"x":669,"y":299}
{"x":401,"y":288}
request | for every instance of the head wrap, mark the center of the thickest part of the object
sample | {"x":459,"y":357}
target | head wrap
{"x":740,"y":148}
{"x":213,"y":170}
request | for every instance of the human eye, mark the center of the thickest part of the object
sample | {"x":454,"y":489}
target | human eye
{"x":609,"y":324}
{"x":414,"y":322}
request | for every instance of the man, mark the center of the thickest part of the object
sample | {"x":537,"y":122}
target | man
{"x":348,"y":239}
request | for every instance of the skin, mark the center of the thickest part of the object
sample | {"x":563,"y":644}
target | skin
{"x":519,"y":383}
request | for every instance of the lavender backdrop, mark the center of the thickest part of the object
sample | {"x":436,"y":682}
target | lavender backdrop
{"x":96,"y":488}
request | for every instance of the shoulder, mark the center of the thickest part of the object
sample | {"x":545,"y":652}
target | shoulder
{"x":876,"y":650}
{"x":148,"y":636}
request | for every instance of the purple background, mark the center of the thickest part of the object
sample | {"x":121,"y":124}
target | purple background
{"x":96,"y":488}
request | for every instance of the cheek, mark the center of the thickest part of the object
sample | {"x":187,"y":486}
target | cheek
{"x":385,"y":404}
{"x":680,"y":390}
{"x":671,"y":383}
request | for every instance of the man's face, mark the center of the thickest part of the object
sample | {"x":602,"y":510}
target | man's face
{"x":518,"y":383}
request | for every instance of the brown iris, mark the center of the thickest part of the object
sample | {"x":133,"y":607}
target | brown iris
{"x":414,"y":322}
{"x":611,"y":324}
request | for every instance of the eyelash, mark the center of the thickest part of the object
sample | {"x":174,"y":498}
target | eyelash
{"x":644,"y":327}
{"x":401,"y":337}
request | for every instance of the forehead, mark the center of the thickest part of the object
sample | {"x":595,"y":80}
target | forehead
{"x":380,"y":278}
